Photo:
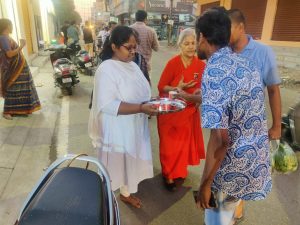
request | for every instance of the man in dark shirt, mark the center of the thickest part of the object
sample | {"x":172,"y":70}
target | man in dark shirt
{"x":88,"y":39}
{"x":64,"y":29}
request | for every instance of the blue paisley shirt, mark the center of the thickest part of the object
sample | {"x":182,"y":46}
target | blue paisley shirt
{"x":233,"y":99}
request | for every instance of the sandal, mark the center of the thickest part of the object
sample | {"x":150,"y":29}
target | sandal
{"x":170,"y":184}
{"x":238,"y":220}
{"x":7,"y":116}
{"x":134,"y":201}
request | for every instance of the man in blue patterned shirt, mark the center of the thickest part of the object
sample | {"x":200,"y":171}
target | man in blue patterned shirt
{"x":265,"y":60}
{"x":237,"y":165}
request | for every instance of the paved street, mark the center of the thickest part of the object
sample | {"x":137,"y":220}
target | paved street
{"x":27,"y":145}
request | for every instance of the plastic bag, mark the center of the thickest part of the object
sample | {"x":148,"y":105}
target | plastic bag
{"x":284,"y":159}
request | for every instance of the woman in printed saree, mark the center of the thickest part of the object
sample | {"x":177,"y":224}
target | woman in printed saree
{"x":17,"y":87}
{"x":180,"y":134}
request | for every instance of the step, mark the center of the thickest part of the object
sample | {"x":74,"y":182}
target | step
{"x":34,"y":70}
{"x":40,"y":61}
{"x":44,"y":53}
{"x":30,"y":58}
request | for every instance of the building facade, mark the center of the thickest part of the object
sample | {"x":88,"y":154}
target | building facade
{"x":32,"y":21}
{"x":273,"y":22}
{"x":125,"y":9}
{"x":100,"y":13}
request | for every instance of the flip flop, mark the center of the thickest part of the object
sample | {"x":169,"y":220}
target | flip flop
{"x":131,"y":200}
{"x":7,"y":116}
{"x":137,"y":199}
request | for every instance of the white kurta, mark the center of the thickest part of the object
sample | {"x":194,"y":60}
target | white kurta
{"x":123,"y":141}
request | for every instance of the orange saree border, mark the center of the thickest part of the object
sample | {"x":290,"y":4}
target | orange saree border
{"x":15,"y":76}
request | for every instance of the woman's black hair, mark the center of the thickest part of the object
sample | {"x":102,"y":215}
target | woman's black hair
{"x":4,"y":24}
{"x":118,"y":37}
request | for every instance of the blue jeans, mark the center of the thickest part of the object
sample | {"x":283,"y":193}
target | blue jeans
{"x":224,"y":213}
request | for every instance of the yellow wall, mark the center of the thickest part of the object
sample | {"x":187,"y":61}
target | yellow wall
{"x":27,"y":25}
{"x":268,"y":22}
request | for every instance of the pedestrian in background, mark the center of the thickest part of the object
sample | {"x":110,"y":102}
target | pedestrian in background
{"x":148,"y":37}
{"x":237,"y":165}
{"x":265,"y":60}
{"x":73,"y":33}
{"x":100,"y":36}
{"x":111,"y":27}
{"x":18,"y":90}
{"x":140,"y":60}
{"x":64,"y":29}
{"x":180,"y":135}
{"x":88,"y":39}
{"x":118,"y":124}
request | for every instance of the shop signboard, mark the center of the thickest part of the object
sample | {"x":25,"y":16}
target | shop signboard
{"x":163,"y":7}
{"x":121,"y":8}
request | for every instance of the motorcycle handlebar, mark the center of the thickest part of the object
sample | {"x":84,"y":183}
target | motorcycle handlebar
{"x":57,"y":49}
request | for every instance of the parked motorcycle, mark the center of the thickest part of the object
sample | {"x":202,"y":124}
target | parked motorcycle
{"x":84,"y":62}
{"x":81,"y":59}
{"x":291,"y":127}
{"x":65,"y":72}
{"x":71,"y":196}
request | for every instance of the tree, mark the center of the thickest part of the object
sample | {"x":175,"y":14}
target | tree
{"x":65,"y":10}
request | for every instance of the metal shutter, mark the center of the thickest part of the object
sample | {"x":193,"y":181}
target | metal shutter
{"x":209,"y":5}
{"x":287,"y":21}
{"x":254,"y":12}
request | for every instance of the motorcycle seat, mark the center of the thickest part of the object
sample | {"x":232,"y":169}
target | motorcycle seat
{"x":70,"y":196}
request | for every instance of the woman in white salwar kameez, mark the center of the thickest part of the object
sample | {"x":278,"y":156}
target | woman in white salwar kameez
{"x":118,"y":124}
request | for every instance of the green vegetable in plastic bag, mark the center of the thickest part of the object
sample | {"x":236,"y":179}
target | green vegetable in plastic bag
{"x":285,"y":159}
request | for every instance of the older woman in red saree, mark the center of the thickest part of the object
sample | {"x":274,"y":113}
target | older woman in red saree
{"x":17,"y":87}
{"x":180,"y":134}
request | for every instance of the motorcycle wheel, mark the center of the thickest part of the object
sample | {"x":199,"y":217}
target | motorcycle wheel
{"x":88,"y":71}
{"x":69,"y":90}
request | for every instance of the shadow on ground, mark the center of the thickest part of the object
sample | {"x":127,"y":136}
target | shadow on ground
{"x":156,"y":199}
{"x":288,"y":194}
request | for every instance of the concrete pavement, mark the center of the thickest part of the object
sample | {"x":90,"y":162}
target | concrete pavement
{"x":27,"y":145}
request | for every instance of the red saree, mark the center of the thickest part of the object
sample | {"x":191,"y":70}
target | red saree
{"x":181,"y":140}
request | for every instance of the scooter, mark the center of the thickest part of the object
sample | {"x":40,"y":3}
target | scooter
{"x":71,"y":196}
{"x":65,"y":72}
{"x":84,"y":62}
{"x":291,"y":127}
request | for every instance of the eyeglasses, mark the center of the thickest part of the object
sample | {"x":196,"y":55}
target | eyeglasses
{"x":130,"y":49}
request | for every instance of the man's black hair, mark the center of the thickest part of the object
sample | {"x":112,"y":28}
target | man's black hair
{"x":236,"y":16}
{"x":215,"y":26}
{"x":140,"y":15}
{"x":220,"y":8}
{"x":111,"y":23}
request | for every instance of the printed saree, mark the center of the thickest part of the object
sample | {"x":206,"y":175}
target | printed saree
{"x":18,"y":90}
